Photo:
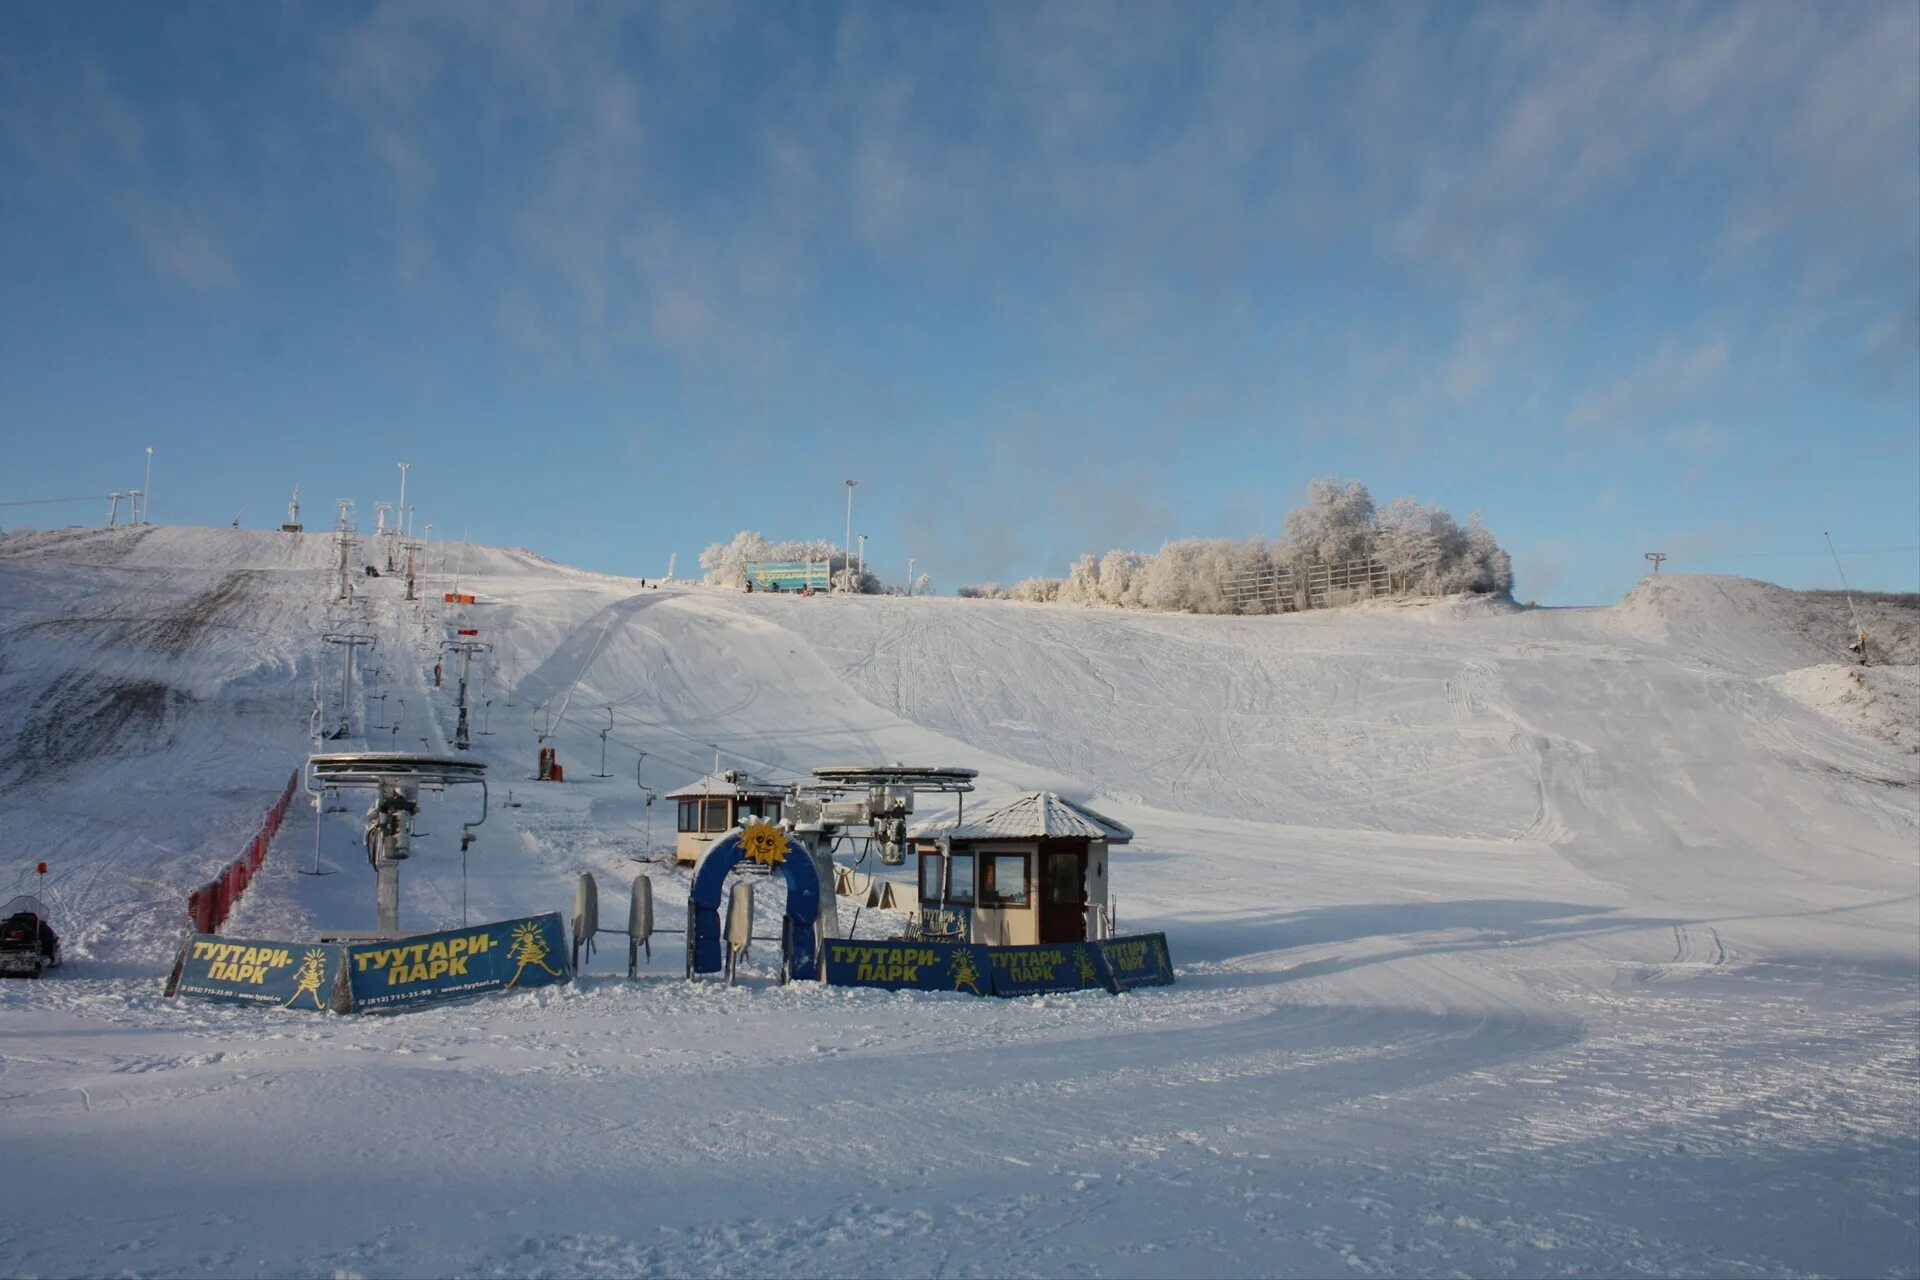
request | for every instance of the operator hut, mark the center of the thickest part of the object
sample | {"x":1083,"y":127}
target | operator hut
{"x":1031,"y":872}
{"x":716,"y":805}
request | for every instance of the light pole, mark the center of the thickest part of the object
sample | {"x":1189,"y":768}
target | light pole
{"x":399,"y":517}
{"x":146,"y":499}
{"x":846,"y":547}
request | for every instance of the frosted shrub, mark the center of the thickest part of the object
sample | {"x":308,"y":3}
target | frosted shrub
{"x":1424,"y":549}
{"x":1036,"y":590}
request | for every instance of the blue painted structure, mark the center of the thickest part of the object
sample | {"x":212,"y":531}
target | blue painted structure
{"x":803,"y":907}
{"x":788,"y":575}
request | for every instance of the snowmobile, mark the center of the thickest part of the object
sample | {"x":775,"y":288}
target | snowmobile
{"x":28,"y":943}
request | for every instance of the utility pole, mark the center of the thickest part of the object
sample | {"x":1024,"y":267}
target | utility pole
{"x":1656,"y":557}
{"x":847,"y":546}
{"x":113,"y":511}
{"x":146,"y":505}
{"x":348,"y":642}
{"x":462,"y":741}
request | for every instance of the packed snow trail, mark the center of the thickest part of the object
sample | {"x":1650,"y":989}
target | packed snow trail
{"x":1510,"y":942}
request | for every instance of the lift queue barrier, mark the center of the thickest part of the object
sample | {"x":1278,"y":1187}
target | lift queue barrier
{"x":210,"y":904}
{"x":376,"y":976}
{"x":1110,"y":964}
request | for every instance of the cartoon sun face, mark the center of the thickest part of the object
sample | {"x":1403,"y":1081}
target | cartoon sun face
{"x":762,"y":842}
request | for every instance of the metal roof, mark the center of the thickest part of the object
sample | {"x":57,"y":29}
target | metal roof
{"x":730,"y":783}
{"x":1040,"y":815}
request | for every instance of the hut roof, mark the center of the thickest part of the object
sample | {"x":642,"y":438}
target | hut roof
{"x":1041,"y":815}
{"x":731,"y":783}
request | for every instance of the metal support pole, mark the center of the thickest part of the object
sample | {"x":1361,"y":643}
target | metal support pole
{"x":846,"y":548}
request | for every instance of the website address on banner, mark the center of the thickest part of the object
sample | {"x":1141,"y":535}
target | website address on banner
{"x":428,"y":993}
{"x":258,"y":997}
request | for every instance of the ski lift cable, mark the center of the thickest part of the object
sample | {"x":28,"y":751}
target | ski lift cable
{"x":50,"y":502}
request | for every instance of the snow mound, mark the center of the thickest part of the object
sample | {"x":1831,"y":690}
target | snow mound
{"x":1757,"y":628}
{"x":1882,"y":702}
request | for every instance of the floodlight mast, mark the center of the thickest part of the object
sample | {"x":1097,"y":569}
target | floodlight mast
{"x":146,"y":504}
{"x":399,"y":514}
{"x":846,"y":547}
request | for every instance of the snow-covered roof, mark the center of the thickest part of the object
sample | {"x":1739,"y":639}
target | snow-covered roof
{"x":1040,"y":815}
{"x":730,"y":783}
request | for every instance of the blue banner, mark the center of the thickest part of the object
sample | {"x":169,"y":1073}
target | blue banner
{"x":291,"y":975}
{"x":1138,"y":961}
{"x":1067,"y":966}
{"x":919,"y":966}
{"x":508,"y":956}
{"x":788,"y":575}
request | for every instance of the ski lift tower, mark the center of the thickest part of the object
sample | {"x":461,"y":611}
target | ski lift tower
{"x":349,"y":641}
{"x":343,"y":537}
{"x":466,"y":647}
{"x":397,"y":778}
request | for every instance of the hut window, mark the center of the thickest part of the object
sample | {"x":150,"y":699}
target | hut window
{"x":929,"y":877}
{"x":715,"y":818}
{"x":1003,"y":880}
{"x":689,"y":815}
{"x":771,"y":810}
{"x":960,"y":892}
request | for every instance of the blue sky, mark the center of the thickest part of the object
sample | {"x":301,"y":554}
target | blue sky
{"x":619,"y":281}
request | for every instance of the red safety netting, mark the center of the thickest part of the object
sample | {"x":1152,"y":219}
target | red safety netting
{"x":209,"y":905}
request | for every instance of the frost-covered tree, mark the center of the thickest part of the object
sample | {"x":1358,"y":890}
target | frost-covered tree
{"x":1336,"y":525}
{"x":1425,"y":550}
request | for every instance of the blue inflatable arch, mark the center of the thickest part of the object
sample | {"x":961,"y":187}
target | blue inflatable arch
{"x":803,"y":907}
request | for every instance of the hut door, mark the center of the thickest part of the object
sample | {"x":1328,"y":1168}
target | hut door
{"x":1063,"y":893}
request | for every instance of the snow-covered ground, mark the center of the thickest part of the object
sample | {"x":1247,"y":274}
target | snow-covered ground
{"x":1509,"y":941}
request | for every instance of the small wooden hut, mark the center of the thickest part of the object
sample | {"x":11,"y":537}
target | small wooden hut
{"x":718,"y":803}
{"x":1033,"y":871}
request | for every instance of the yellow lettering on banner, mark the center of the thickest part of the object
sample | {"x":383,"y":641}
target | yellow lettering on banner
{"x":201,"y":950}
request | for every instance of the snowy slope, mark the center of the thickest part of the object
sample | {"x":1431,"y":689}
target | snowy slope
{"x":1510,"y":941}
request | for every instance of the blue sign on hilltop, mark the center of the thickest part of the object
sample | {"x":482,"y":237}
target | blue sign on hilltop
{"x":508,"y":956}
{"x":788,"y":575}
